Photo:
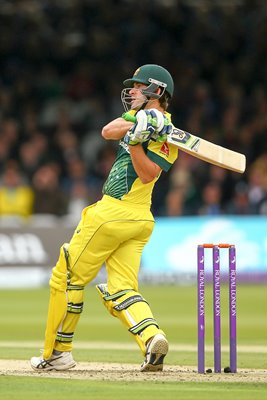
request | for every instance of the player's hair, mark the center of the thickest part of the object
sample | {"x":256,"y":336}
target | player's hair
{"x":164,"y":100}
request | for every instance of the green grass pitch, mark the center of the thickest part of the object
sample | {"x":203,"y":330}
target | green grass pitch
{"x":22,"y":322}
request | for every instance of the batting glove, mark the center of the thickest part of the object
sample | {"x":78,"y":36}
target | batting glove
{"x":144,"y":128}
{"x":164,"y":125}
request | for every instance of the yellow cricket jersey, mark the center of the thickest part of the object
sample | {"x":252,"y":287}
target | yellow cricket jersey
{"x":124,"y":184}
{"x":16,"y":201}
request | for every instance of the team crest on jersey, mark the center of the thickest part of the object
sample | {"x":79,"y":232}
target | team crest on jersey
{"x":165,"y":149}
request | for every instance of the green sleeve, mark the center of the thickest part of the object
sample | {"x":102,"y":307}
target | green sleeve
{"x":161,"y":162}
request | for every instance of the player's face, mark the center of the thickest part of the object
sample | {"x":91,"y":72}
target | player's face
{"x":137,"y":98}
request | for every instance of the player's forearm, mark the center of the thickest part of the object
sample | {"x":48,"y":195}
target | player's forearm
{"x":116,"y":129}
{"x":146,"y":169}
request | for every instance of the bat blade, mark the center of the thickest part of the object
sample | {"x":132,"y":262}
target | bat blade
{"x":207,"y":151}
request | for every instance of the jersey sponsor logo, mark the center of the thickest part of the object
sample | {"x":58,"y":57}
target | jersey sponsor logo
{"x":165,"y":149}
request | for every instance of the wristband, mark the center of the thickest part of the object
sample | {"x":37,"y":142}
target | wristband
{"x":128,"y":117}
{"x":133,"y":143}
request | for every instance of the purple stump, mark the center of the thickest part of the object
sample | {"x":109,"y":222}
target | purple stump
{"x":216,"y":308}
{"x":201,"y":309}
{"x":232,"y":306}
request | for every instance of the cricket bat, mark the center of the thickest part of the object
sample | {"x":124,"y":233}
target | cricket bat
{"x":207,"y":151}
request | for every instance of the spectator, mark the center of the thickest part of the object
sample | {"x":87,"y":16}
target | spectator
{"x":33,"y":153}
{"x":48,"y":196}
{"x":16,"y":196}
{"x":239,"y":203}
{"x":257,"y":183}
{"x":211,"y":200}
{"x":57,"y":80}
{"x":77,"y":199}
{"x":175,"y":200}
{"x":4,"y":152}
{"x":77,"y":187}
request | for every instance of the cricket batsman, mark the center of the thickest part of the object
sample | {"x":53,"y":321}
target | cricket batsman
{"x":115,"y":230}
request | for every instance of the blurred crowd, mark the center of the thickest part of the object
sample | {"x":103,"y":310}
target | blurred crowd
{"x":61,"y":70}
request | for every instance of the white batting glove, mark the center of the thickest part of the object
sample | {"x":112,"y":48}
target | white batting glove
{"x":143,"y":129}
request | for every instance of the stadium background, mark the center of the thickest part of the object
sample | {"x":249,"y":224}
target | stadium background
{"x":61,"y":70}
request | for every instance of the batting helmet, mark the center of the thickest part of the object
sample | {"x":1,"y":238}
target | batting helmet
{"x":153,"y":72}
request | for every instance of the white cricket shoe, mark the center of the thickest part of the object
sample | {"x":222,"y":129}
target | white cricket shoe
{"x":59,"y":361}
{"x":157,"y":349}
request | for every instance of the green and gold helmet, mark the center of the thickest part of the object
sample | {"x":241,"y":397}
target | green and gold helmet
{"x":149,"y":73}
{"x":154,"y":77}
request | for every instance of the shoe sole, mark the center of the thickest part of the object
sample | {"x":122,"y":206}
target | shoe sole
{"x":158,"y":350}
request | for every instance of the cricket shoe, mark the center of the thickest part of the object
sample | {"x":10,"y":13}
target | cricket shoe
{"x":59,"y":361}
{"x":157,"y":349}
